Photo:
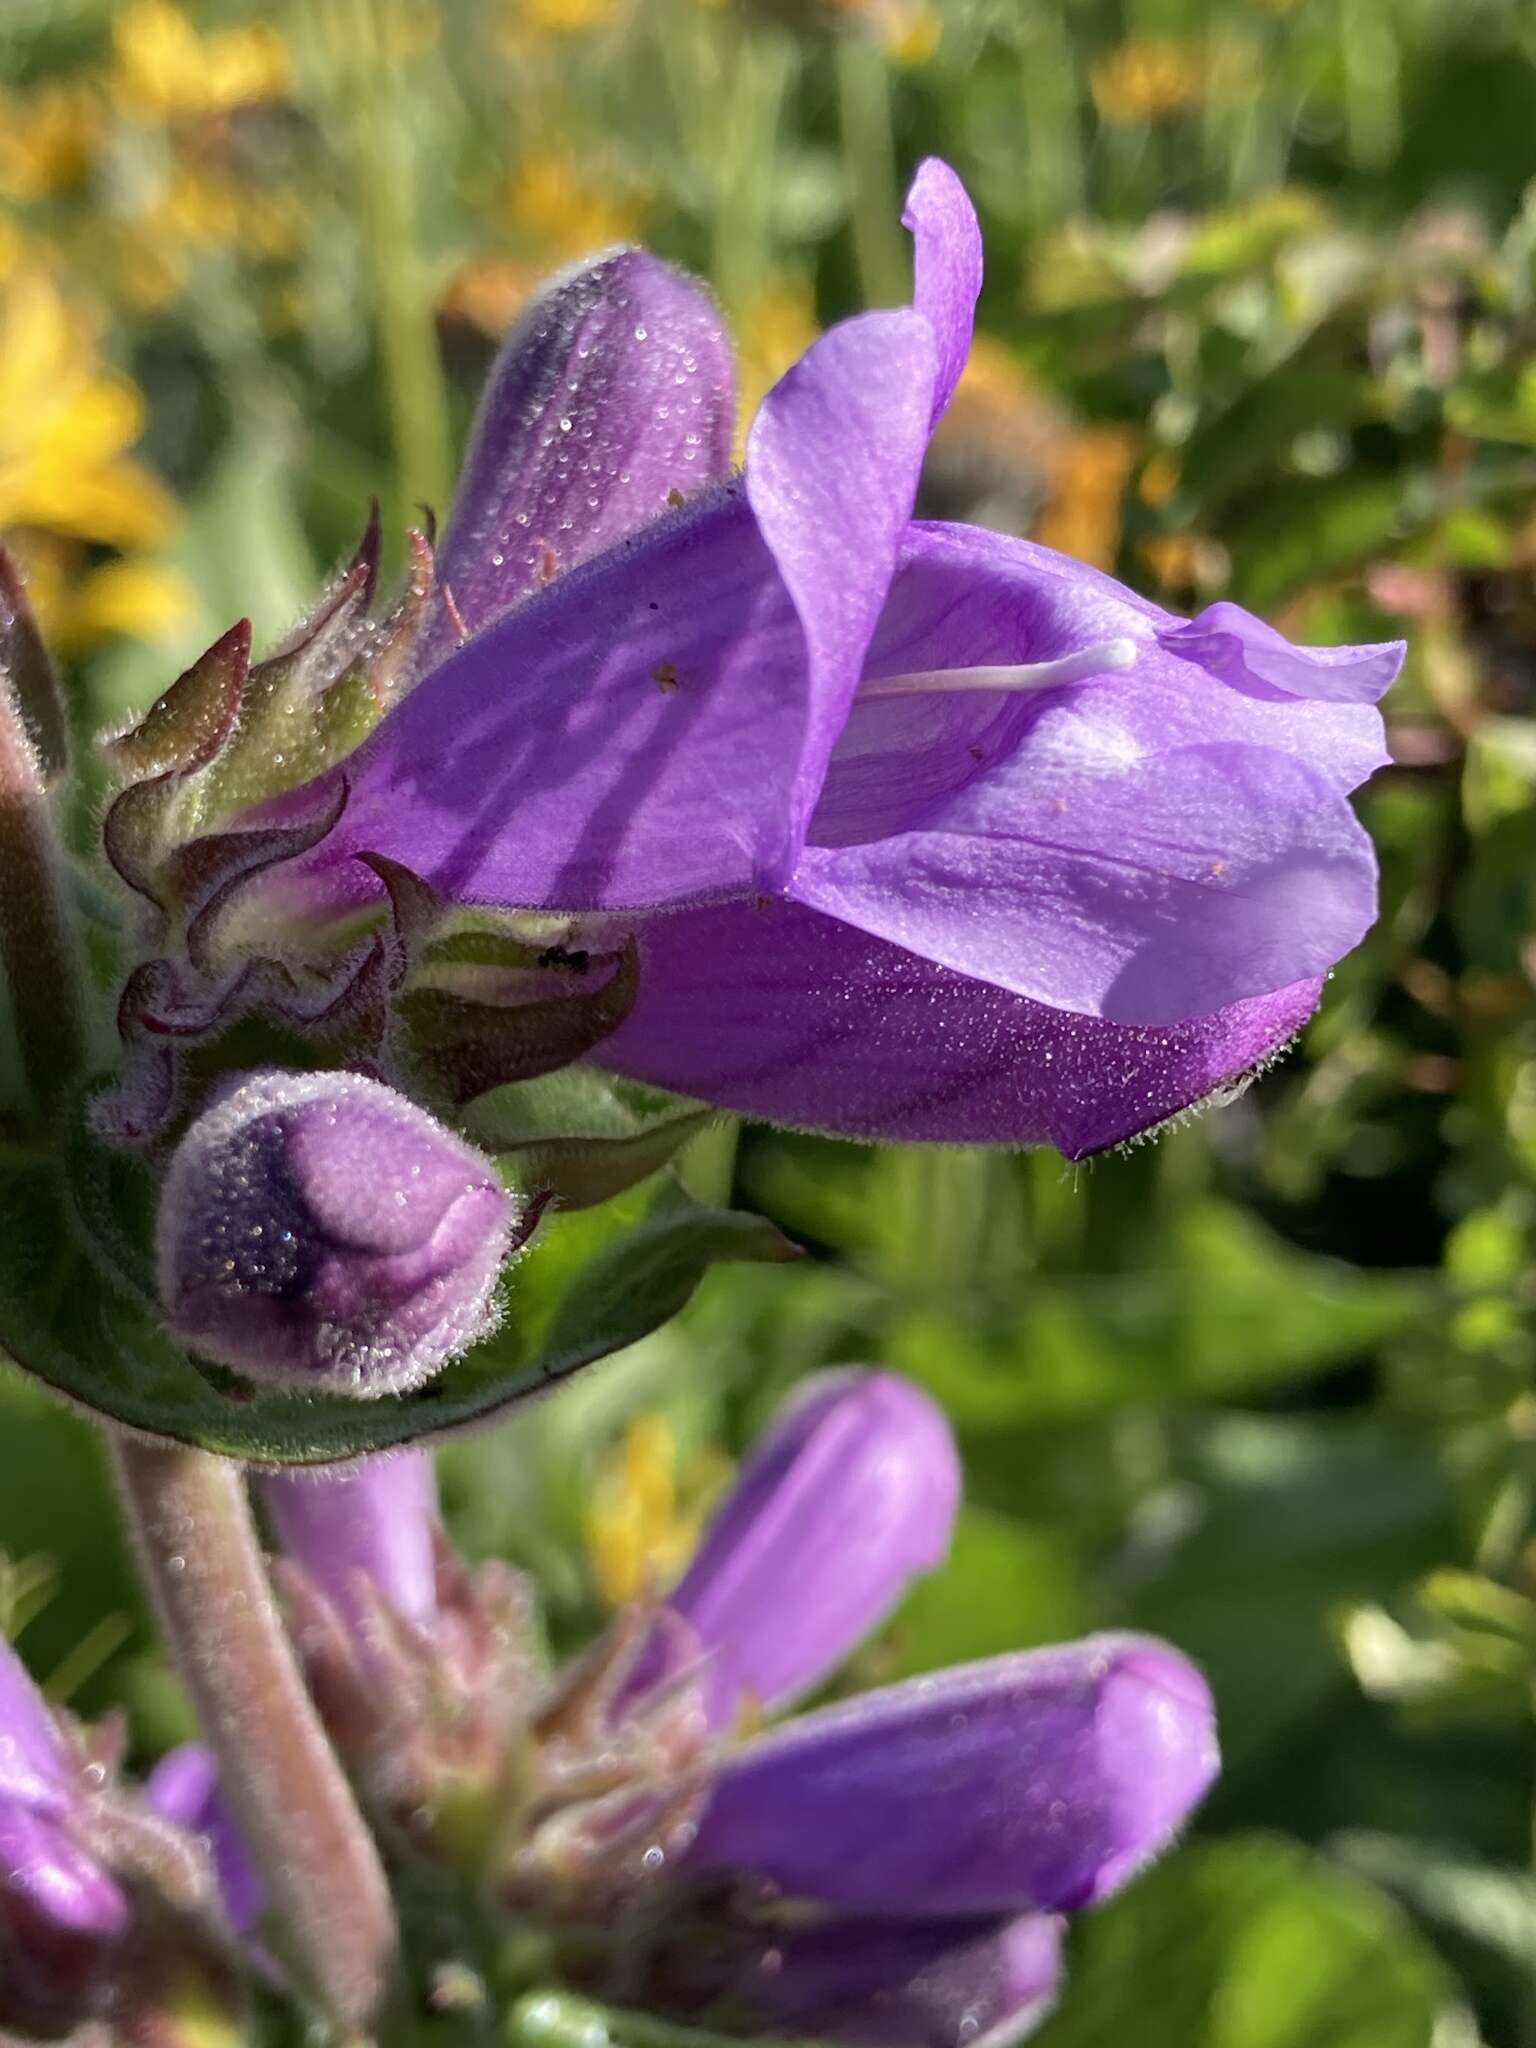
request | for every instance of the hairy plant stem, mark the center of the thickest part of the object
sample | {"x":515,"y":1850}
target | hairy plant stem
{"x":277,"y":1770}
{"x":39,"y":944}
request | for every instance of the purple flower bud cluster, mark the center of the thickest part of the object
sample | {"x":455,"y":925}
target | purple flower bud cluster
{"x":321,"y":1232}
{"x":892,"y":1869}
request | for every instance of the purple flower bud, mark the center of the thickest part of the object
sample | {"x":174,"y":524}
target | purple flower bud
{"x":611,"y":394}
{"x":62,"y":1915}
{"x":1033,"y":1782}
{"x":849,"y":1495}
{"x":319,"y":1231}
{"x":913,"y":1984}
{"x":373,"y":1517}
{"x":184,"y":1787}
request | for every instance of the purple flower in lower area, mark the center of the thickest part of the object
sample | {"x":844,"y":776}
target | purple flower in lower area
{"x":63,"y":1915}
{"x":372,"y":1521}
{"x":1034,"y":1782}
{"x":184,"y":1788}
{"x":891,"y":1869}
{"x":106,"y":1913}
{"x":319,"y":1231}
{"x":847,"y":1497}
{"x":891,"y":1984}
{"x":921,"y":831}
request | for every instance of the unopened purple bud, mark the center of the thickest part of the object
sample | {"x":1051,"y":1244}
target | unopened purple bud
{"x":913,"y":1984}
{"x":374,"y":1517}
{"x":62,"y":1915}
{"x":319,"y":1231}
{"x":1040,"y":1782}
{"x":850,"y":1494}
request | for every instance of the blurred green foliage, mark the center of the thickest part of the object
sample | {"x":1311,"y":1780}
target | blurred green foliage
{"x":1258,"y":320}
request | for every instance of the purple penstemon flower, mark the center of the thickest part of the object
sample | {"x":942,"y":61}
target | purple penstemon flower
{"x":63,"y":1916}
{"x":106,"y":1912}
{"x":923,"y":832}
{"x":891,"y":1869}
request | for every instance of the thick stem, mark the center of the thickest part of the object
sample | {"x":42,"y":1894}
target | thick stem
{"x":38,"y":942}
{"x":276,"y":1769}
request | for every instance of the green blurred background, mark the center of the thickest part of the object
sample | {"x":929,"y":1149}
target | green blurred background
{"x":1260,"y":297}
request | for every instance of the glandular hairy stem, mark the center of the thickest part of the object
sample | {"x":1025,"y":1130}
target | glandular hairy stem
{"x":277,"y":1770}
{"x":39,"y":944}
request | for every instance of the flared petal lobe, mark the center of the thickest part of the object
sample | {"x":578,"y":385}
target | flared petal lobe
{"x":1145,"y":844}
{"x":612,"y":393}
{"x":779,"y":1013}
{"x":877,"y":1983}
{"x":373,"y":1518}
{"x":1038,"y":1782}
{"x":946,"y":265}
{"x":847,"y":1497}
{"x":832,"y":468}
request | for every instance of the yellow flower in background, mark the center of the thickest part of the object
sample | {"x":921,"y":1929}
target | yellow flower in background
{"x":1149,"y":78}
{"x":49,"y":139}
{"x":1088,"y":474}
{"x":908,"y":30}
{"x":1160,"y":479}
{"x":992,"y":455}
{"x":79,"y":605}
{"x":166,"y":70}
{"x":67,"y":476}
{"x":1186,"y":563}
{"x":564,"y":211}
{"x":205,"y":207}
{"x":488,"y":293}
{"x":563,"y":17}
{"x":66,"y":425}
{"x":645,"y":1515}
{"x":773,"y":330}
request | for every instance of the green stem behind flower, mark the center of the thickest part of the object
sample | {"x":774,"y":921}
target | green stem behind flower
{"x":277,"y":1771}
{"x":707,"y":1165}
{"x":40,"y":944}
{"x":869,"y":159}
{"x":377,"y":115}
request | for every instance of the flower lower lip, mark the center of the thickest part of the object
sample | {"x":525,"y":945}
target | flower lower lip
{"x":1100,"y":659}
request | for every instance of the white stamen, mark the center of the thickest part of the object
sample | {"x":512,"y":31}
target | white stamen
{"x":1037,"y":675}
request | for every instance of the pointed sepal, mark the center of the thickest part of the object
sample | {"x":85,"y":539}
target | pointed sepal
{"x":580,"y":1135}
{"x":486,"y":999}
